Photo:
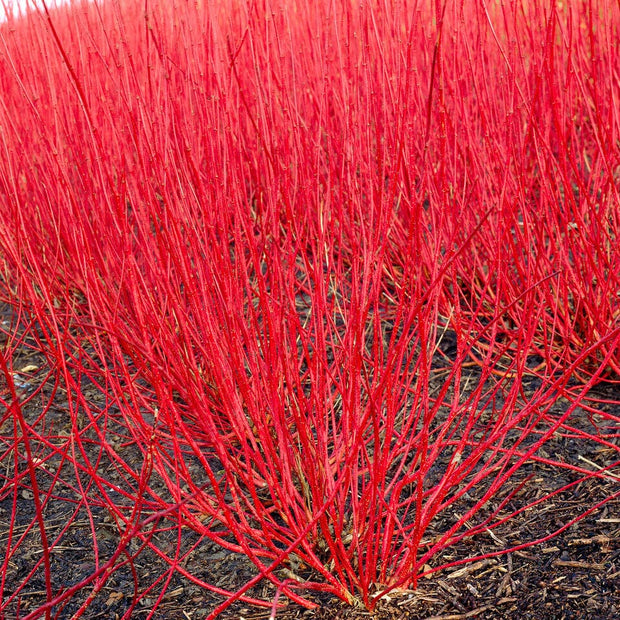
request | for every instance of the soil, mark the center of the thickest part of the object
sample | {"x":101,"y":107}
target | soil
{"x":574,"y":575}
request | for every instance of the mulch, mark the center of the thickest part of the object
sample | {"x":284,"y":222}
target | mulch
{"x":574,"y":575}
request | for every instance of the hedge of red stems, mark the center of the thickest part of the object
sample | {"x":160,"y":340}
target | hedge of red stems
{"x":249,"y":227}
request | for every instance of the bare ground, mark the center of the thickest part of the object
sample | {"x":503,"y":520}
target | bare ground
{"x":574,"y":575}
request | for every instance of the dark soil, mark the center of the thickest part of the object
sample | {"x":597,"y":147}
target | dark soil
{"x":574,"y":575}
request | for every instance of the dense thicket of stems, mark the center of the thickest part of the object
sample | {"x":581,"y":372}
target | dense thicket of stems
{"x":250,"y":226}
